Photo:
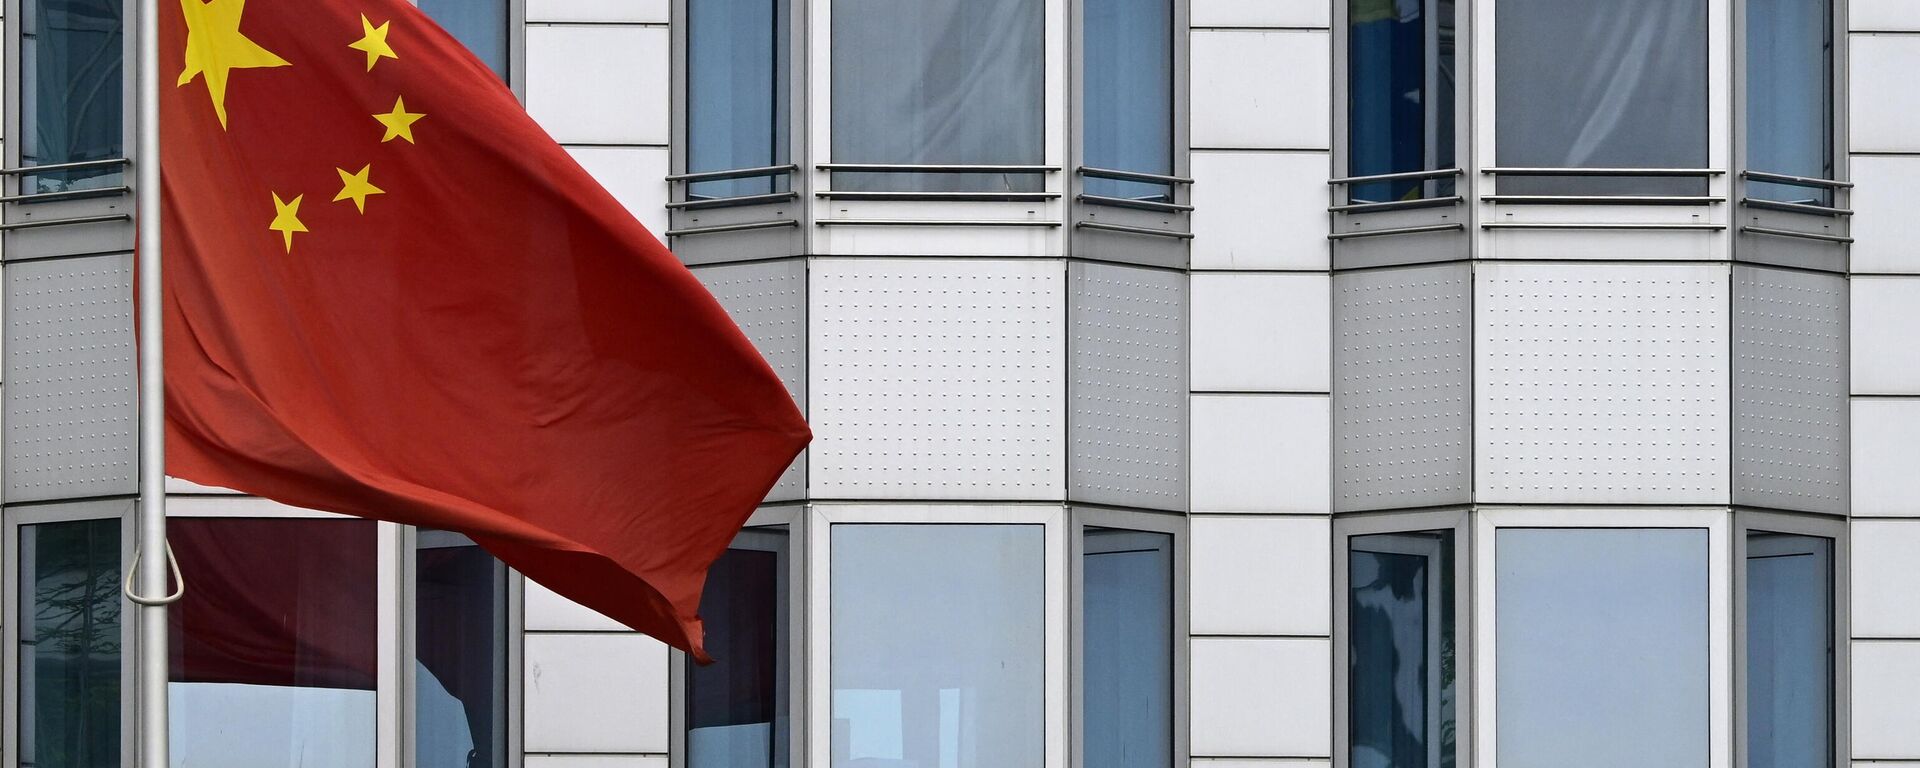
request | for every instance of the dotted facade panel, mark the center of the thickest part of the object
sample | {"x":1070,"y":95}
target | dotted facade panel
{"x":1127,"y":427}
{"x":937,"y":378}
{"x":768,"y":300}
{"x":1790,"y":390}
{"x":1401,"y":387}
{"x":70,"y":395}
{"x":1602,"y":383}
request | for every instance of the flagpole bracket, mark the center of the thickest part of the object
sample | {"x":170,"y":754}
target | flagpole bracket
{"x":172,"y":563}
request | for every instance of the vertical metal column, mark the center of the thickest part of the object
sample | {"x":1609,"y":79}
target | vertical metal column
{"x":152,"y":528}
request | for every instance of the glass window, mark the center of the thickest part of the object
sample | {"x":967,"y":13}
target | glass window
{"x":1789,"y":651}
{"x":939,"y":82}
{"x":1127,"y":102}
{"x":737,"y":117}
{"x":460,"y":654}
{"x":274,"y":645}
{"x":1127,"y":648}
{"x":481,"y":24}
{"x":1619,"y":84}
{"x":71,"y":53}
{"x":1601,"y":655}
{"x":69,"y":683}
{"x":1400,"y":650}
{"x":1400,"y":96}
{"x":939,"y":637}
{"x":1790,"y":96}
{"x":737,"y":707}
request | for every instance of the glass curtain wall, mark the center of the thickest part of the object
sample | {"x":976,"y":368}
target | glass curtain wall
{"x":1790,"y":653}
{"x":1400,"y":651}
{"x":70,"y":644}
{"x":1127,"y":648}
{"x":71,"y":91}
{"x":1127,"y":96}
{"x":1790,"y":97}
{"x":460,"y":654}
{"x":737,"y":707}
{"x":1400,"y":97}
{"x":737,"y":103}
{"x":483,"y":25}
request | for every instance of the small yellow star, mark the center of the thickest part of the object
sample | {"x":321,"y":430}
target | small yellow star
{"x":286,"y":219}
{"x":399,"y":122}
{"x":374,"y":42}
{"x":356,"y":187}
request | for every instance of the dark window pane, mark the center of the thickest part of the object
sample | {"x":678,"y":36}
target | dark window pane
{"x":938,"y":82}
{"x":1400,"y":662}
{"x":460,"y":664}
{"x":481,"y":24}
{"x":70,"y":644}
{"x":1790,"y":96}
{"x":1400,"y":83}
{"x":1128,"y":99}
{"x":737,"y":713}
{"x":737,"y":56}
{"x":1127,"y":649}
{"x":1789,"y":651}
{"x":1619,"y":84}
{"x":70,"y":61}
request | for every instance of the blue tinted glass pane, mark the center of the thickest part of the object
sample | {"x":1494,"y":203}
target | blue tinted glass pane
{"x":1400,"y":75}
{"x":1789,"y":651}
{"x":480,"y":24}
{"x":736,"y":93}
{"x":71,"y":55}
{"x":1790,"y":96}
{"x":737,"y":706}
{"x":1128,"y":648}
{"x":1601,"y":648}
{"x":1128,"y":99}
{"x":460,"y":654}
{"x":1400,"y":652}
{"x":70,"y":644}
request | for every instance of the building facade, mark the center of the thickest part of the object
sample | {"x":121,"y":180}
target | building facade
{"x":1212,"y":383}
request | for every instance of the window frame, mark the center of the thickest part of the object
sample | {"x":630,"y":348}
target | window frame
{"x":515,"y":607}
{"x":1154,"y":234}
{"x":1785,"y":234}
{"x":1174,"y":525}
{"x":1835,"y":530}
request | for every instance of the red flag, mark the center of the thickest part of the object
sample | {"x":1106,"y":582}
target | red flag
{"x":390,"y":294}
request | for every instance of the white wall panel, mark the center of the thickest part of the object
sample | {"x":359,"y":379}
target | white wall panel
{"x":1884,"y":15}
{"x":1260,"y":453}
{"x":937,"y":379}
{"x":595,"y":693}
{"x":596,"y":761}
{"x":1886,"y":675}
{"x":598,"y":11}
{"x":1886,"y":234}
{"x":1128,"y":426}
{"x":1885,"y":436}
{"x":1790,"y":389}
{"x":1259,"y":210}
{"x":1886,"y":578}
{"x":1886,"y":312}
{"x":768,"y":300}
{"x":545,"y":609}
{"x":1602,"y":383}
{"x":1260,"y":332}
{"x":599,"y":84}
{"x":1260,"y":89}
{"x":1260,"y":575}
{"x":1885,"y":102}
{"x":1259,"y":13}
{"x":635,"y":176}
{"x":1261,"y":697}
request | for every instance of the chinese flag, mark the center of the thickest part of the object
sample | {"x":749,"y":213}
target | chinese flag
{"x":390,"y":294}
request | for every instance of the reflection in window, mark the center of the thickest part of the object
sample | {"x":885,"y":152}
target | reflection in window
{"x":460,"y":654}
{"x":70,"y":72}
{"x":1400,"y":96}
{"x":938,"y":82}
{"x":737,"y":52}
{"x":1619,"y":84}
{"x":480,"y":24}
{"x":938,"y":645}
{"x":737,"y":710}
{"x":1400,"y":661}
{"x":1127,"y":103}
{"x":1601,"y":647}
{"x":1790,"y":96}
{"x":274,"y":645}
{"x":1127,"y":648}
{"x":69,"y":684}
{"x":1789,"y":651}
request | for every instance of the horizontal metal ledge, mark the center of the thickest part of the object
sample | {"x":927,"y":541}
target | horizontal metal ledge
{"x":1397,"y":205}
{"x":1779,"y":205}
{"x":733,"y":173}
{"x":1127,"y":202}
{"x":935,"y":223}
{"x":728,"y":202}
{"x":1439,"y":174}
{"x":65,"y":194}
{"x":911,"y":168}
{"x":1603,"y":199}
{"x":79,"y":166}
{"x":1397,"y":231}
{"x":1799,"y":181}
{"x":1029,"y":197}
{"x":1131,"y":230}
{"x":718,"y":228}
{"x":1151,"y":178}
{"x":12,"y":225}
{"x":1800,"y":235}
{"x":1602,"y":171}
{"x":1600,"y":225}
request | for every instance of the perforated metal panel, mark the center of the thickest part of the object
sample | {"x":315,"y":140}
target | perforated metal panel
{"x":768,"y":300}
{"x":1602,"y":383}
{"x":69,"y":367}
{"x":937,"y":378}
{"x":1790,"y":389}
{"x":1402,"y":379}
{"x":1127,"y":428}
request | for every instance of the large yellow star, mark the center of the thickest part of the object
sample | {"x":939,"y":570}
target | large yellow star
{"x":356,"y":187}
{"x":215,"y":47}
{"x":374,"y":42}
{"x":286,"y":218}
{"x":399,"y":122}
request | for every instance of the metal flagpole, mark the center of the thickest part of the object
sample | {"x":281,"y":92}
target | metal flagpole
{"x":152,"y":556}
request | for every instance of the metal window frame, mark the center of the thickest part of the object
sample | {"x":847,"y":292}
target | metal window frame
{"x":1174,"y":525}
{"x":1835,"y":530}
{"x":1151,"y":234}
{"x":1348,"y":526}
{"x":1785,"y":234}
{"x":513,"y":605}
